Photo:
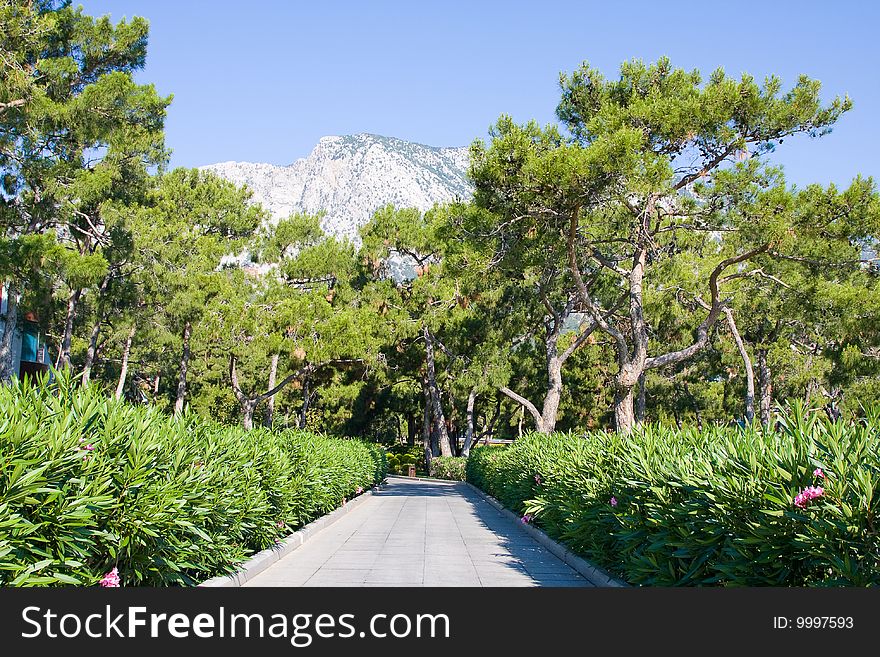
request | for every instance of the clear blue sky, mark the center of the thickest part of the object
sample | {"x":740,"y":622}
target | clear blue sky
{"x":263,"y":80}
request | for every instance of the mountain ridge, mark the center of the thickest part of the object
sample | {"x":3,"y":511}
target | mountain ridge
{"x":348,"y":177}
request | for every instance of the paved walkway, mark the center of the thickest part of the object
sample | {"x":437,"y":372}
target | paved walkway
{"x":421,"y":533}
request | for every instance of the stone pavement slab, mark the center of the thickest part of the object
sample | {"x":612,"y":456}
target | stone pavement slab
{"x":416,"y":532}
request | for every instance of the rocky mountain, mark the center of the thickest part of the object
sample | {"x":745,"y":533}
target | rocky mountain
{"x":350,"y":177}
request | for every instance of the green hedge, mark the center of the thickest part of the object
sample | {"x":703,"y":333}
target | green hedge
{"x":88,"y":483}
{"x":400,"y":457}
{"x":448,"y":467}
{"x":704,"y":508}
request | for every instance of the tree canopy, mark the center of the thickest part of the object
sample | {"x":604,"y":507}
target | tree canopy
{"x":642,"y":259}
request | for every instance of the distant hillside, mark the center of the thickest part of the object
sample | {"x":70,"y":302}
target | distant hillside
{"x":350,"y":177}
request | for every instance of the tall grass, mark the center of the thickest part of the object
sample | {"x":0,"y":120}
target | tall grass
{"x":683,"y":507}
{"x":89,"y":483}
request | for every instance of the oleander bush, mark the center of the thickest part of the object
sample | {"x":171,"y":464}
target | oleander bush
{"x":798,"y":506}
{"x":89,"y":483}
{"x":448,"y":467}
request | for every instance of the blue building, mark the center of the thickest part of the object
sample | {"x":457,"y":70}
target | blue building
{"x":29,"y":346}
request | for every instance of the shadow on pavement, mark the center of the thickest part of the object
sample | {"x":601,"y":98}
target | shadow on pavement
{"x":514,"y":551}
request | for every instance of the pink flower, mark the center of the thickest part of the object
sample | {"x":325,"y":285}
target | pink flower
{"x":279,"y":524}
{"x":613,"y":501}
{"x":538,"y":479}
{"x":111,"y":579}
{"x":86,"y":448}
{"x":527,"y":518}
{"x":818,"y":473}
{"x":359,"y":490}
{"x":807,"y":495}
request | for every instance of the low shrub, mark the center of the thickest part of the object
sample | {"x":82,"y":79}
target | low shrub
{"x":89,"y":483}
{"x":400,"y":457}
{"x":448,"y":467}
{"x":725,"y":506}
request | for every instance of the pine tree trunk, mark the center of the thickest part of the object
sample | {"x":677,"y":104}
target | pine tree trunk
{"x":303,"y":414}
{"x":545,"y":419}
{"x":489,"y":431}
{"x":247,"y":405}
{"x":765,"y":387}
{"x":832,"y":408}
{"x":526,"y":405}
{"x":469,"y":415}
{"x":437,"y":407}
{"x":624,"y":414}
{"x":7,"y":357}
{"x":126,"y":352}
{"x":270,"y":405}
{"x":64,"y":352}
{"x":625,"y":383}
{"x":554,"y":394}
{"x":411,"y":430}
{"x":426,"y":429}
{"x":640,"y":400}
{"x":92,"y":351}
{"x":247,"y":414}
{"x":747,"y":364}
{"x":695,"y":405}
{"x":184,"y":363}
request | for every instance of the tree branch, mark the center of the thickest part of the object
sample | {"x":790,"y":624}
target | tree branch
{"x":241,"y":397}
{"x":592,"y":308}
{"x":607,"y":263}
{"x":525,"y":403}
{"x":557,"y":323}
{"x":715,"y":311}
{"x":12,"y":104}
{"x":688,"y":179}
{"x":578,"y":342}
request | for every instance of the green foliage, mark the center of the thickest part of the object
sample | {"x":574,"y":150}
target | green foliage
{"x":139,"y":278}
{"x":661,"y":183}
{"x":449,"y":467}
{"x":75,"y":129}
{"x":88,"y":483}
{"x":599,"y":257}
{"x":400,"y":457}
{"x":704,"y":508}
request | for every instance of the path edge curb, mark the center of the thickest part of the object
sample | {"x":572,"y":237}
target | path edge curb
{"x":592,"y":573}
{"x":260,"y":561}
